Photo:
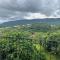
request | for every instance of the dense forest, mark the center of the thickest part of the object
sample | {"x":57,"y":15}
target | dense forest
{"x":39,"y":41}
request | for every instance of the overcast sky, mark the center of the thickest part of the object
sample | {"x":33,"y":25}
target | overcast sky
{"x":29,"y":9}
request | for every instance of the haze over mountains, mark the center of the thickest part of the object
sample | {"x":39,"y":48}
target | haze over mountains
{"x":52,"y":21}
{"x":28,"y":9}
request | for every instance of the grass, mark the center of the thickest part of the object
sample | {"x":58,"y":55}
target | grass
{"x":49,"y":56}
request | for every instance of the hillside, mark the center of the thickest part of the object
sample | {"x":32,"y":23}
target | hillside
{"x":19,"y":22}
{"x":38,"y":42}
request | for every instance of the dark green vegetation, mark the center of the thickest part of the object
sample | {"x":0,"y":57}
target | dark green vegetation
{"x":30,"y":42}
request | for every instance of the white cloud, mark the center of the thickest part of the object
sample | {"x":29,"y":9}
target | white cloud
{"x":42,"y":16}
{"x":35,"y":16}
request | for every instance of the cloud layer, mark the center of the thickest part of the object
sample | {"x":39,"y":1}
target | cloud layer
{"x":19,"y":9}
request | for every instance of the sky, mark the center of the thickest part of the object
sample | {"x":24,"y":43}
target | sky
{"x":29,"y":9}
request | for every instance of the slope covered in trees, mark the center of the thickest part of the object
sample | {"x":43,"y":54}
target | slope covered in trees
{"x":30,"y":42}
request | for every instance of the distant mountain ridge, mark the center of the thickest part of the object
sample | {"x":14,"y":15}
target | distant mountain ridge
{"x":23,"y":22}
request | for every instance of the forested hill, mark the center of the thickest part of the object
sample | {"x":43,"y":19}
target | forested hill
{"x":18,"y":22}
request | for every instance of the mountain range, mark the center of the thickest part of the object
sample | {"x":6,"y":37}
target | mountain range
{"x":31,"y":21}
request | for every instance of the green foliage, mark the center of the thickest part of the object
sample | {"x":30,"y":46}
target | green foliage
{"x":18,"y":45}
{"x":41,"y":27}
{"x":36,"y":42}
